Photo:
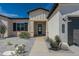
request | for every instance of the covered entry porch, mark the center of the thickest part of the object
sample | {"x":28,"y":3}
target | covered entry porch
{"x":39,"y":28}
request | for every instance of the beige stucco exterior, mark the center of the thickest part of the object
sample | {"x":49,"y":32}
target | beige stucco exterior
{"x":10,"y":26}
{"x":37,"y":16}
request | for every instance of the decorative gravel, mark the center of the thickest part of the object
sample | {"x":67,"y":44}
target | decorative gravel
{"x":59,"y":52}
{"x":15,"y":40}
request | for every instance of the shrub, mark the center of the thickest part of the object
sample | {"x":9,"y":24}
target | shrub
{"x":24,"y":35}
{"x":20,"y":49}
{"x":55,"y":44}
{"x":47,"y":39}
{"x":9,"y":43}
{"x":57,"y":39}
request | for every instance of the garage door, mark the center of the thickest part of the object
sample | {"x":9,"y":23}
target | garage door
{"x":76,"y":36}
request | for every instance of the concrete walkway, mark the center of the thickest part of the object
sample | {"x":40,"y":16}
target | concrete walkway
{"x":39,"y":48}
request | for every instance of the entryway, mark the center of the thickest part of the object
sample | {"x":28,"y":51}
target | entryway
{"x":39,"y":28}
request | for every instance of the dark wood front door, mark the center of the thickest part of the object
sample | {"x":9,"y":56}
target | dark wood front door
{"x":39,"y":29}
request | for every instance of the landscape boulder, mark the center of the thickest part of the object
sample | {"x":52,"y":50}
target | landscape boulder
{"x":64,"y":46}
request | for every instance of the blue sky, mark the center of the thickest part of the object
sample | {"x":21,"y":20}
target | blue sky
{"x":19,"y":10}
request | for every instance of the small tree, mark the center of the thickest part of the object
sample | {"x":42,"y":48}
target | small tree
{"x":2,"y":30}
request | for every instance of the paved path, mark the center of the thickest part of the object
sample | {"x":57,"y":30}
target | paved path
{"x":39,"y":48}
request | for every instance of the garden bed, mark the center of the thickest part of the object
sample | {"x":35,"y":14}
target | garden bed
{"x":54,"y":52}
{"x":8,"y":44}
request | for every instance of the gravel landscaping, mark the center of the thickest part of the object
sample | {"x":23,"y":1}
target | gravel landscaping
{"x":72,"y":52}
{"x":60,"y":52}
{"x":15,"y":40}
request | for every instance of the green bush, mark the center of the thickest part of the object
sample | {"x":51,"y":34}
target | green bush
{"x":24,"y":35}
{"x":55,"y":44}
{"x":57,"y":39}
{"x":9,"y":43}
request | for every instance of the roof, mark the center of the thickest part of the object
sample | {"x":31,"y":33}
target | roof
{"x":50,"y":13}
{"x":38,"y":9}
{"x":4,"y":16}
{"x":13,"y":18}
{"x":74,"y":14}
{"x":18,"y":18}
{"x":52,"y":9}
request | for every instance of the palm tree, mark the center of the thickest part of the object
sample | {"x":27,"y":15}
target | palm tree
{"x":2,"y":30}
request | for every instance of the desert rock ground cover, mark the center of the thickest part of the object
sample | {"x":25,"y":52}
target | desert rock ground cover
{"x":8,"y":44}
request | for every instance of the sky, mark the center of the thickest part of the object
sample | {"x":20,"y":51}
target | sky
{"x":19,"y":10}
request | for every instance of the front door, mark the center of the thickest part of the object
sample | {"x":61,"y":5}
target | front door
{"x":39,"y":29}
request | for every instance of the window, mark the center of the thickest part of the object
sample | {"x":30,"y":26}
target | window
{"x":39,"y":27}
{"x":20,"y":26}
{"x":63,"y":28}
{"x":26,"y":26}
{"x":14,"y":26}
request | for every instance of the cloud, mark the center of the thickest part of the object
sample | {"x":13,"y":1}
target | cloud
{"x":9,"y":15}
{"x":2,"y":12}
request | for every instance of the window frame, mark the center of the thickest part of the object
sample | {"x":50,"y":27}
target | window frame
{"x":20,"y":27}
{"x":63,"y":28}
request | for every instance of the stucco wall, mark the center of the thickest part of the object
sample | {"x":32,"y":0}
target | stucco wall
{"x":63,"y":36}
{"x":38,"y":12}
{"x":10,"y":26}
{"x":53,"y":26}
{"x":30,"y":28}
{"x":38,"y":15}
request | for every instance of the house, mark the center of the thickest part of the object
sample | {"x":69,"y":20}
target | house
{"x":36,"y":24}
{"x":61,"y":20}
